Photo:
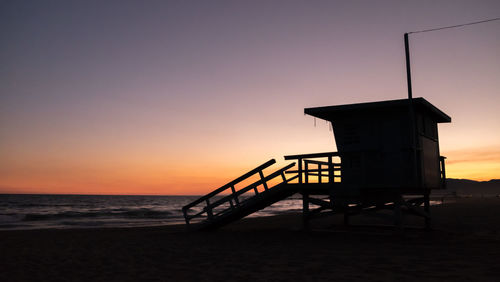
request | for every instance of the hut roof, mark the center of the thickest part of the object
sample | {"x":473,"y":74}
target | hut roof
{"x":332,"y":112}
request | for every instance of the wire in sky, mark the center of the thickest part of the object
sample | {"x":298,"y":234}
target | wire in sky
{"x":453,"y":26}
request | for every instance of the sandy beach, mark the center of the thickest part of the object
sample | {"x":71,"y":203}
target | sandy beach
{"x":463,"y":246}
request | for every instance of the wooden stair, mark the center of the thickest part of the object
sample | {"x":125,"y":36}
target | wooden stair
{"x":316,"y":175}
{"x":226,"y":204}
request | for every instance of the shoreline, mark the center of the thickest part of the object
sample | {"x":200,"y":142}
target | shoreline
{"x":128,"y":216}
{"x":292,"y":220}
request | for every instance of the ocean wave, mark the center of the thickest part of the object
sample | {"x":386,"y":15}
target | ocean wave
{"x":120,"y":213}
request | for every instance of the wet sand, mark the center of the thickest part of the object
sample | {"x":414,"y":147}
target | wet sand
{"x":463,"y":246}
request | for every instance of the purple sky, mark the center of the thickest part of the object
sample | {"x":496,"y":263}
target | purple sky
{"x":98,"y":91}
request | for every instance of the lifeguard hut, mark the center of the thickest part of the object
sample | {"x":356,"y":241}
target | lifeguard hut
{"x":388,"y":158}
{"x":379,"y":149}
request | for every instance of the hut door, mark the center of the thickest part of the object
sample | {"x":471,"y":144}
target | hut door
{"x":430,"y":163}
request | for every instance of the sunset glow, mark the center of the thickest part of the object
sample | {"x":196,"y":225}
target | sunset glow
{"x":178,"y":98}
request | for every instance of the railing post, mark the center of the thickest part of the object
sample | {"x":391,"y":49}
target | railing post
{"x":236,"y":200}
{"x":184,"y":212}
{"x":263,"y":179}
{"x":331,"y":179}
{"x":320,"y":173}
{"x":299,"y":168}
{"x":283,"y":176}
{"x":209,"y":210}
{"x":443,"y":172}
{"x":306,"y":171}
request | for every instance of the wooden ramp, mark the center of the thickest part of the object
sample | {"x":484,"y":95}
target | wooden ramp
{"x":227,"y":204}
{"x":318,"y":178}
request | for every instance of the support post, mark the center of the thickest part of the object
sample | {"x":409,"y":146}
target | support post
{"x":305,"y":210}
{"x":346,"y":218}
{"x":398,"y":213}
{"x":346,"y":214}
{"x":427,"y":209}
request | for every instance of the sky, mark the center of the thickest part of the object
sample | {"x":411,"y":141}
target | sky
{"x":180,"y":97}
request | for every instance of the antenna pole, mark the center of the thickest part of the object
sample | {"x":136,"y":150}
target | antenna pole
{"x":413,"y":130}
{"x":408,"y":71}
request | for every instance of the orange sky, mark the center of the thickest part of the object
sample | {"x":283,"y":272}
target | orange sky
{"x":101,"y":98}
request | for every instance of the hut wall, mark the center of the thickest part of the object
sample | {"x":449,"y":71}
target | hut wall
{"x":376,"y":153}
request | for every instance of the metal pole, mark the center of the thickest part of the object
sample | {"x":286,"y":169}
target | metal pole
{"x":408,"y":71}
{"x":413,"y":129}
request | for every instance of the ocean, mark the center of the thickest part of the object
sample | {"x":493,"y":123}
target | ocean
{"x":91,"y":211}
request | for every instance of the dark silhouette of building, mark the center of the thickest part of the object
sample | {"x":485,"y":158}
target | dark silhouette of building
{"x":377,"y":145}
{"x":388,"y":158}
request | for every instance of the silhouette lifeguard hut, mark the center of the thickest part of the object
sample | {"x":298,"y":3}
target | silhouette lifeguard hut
{"x":388,"y":158}
{"x":378,"y":147}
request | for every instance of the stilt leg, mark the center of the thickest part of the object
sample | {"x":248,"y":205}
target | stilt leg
{"x":398,"y":214}
{"x":346,"y":218}
{"x":305,"y":211}
{"x":427,"y":209}
{"x":346,"y":214}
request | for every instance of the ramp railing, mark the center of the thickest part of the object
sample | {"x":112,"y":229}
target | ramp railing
{"x":205,"y":207}
{"x":442,"y":171}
